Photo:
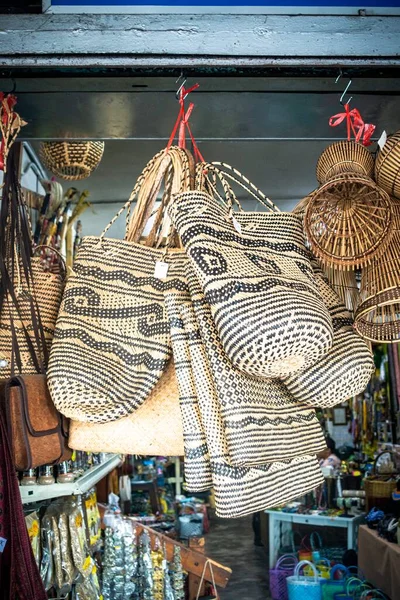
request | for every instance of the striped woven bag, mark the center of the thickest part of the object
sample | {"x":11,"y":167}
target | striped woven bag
{"x":238,"y":490}
{"x":112,"y":340}
{"x":345,"y":370}
{"x":268,"y":311}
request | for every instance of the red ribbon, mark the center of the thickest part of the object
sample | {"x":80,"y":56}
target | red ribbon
{"x":182,"y":123}
{"x":7,"y":103}
{"x":355,"y":124}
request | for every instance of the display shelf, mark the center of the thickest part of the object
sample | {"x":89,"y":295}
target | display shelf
{"x":36,"y":493}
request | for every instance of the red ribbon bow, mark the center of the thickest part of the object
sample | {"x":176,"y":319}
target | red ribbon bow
{"x":182,"y":123}
{"x":362,"y":131}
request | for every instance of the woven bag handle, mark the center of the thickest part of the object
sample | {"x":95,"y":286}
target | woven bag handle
{"x":353,"y":581}
{"x":302,"y":564}
{"x":288,"y":560}
{"x":303,"y":543}
{"x":204,"y":183}
{"x":313,"y":536}
{"x":246,"y":184}
{"x":378,"y":457}
{"x":375,"y":594}
{"x":208,"y":564}
{"x":57,"y":253}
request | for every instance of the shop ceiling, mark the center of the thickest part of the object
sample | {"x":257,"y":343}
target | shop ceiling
{"x":267,"y":87}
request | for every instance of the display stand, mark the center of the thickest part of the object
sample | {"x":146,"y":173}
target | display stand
{"x":37,"y":493}
{"x":278,"y":520}
{"x":383,"y":573}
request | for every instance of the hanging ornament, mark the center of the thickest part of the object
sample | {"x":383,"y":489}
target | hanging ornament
{"x":145,"y":568}
{"x":157,"y":559}
{"x":168,"y":589}
{"x":177,"y":575}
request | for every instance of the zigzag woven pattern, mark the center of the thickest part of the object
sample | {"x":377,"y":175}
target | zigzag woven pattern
{"x":112,"y":339}
{"x":269,"y":314}
{"x":238,"y":490}
{"x":254,"y":413}
{"x":345,"y":370}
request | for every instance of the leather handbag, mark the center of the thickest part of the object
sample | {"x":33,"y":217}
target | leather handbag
{"x":38,"y":433}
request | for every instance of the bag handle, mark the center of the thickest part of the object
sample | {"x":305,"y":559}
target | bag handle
{"x":366,"y":594}
{"x":353,"y":581}
{"x":290,"y":560}
{"x":57,"y":253}
{"x":303,"y":544}
{"x":208,"y":564}
{"x":203,"y":182}
{"x":302,"y":564}
{"x":246,"y":184}
{"x":313,"y":536}
{"x":338,"y":568}
{"x":378,"y":457}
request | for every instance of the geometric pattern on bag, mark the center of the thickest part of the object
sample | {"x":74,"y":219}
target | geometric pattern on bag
{"x":255,"y":413}
{"x":345,"y":370}
{"x":44,"y":298}
{"x":269,"y":314}
{"x":112,"y":339}
{"x":238,"y":490}
{"x":154,"y":429}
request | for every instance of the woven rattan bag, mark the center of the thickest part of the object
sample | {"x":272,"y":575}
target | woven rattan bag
{"x":269,"y":314}
{"x":154,"y":429}
{"x":112,"y":339}
{"x":345,"y":370}
{"x":238,"y":490}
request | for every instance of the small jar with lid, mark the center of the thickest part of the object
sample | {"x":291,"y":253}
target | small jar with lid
{"x":65,"y":473}
{"x":29,"y":477}
{"x":46,"y":476}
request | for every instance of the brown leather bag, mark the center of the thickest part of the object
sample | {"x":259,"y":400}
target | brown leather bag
{"x":38,"y":432}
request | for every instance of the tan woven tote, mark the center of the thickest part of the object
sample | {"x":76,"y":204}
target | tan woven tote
{"x":112,"y":339}
{"x":45,"y":296}
{"x":268,"y":312}
{"x":345,"y":370}
{"x":254,"y":412}
{"x":238,"y":490}
{"x":378,"y":314}
{"x":154,"y":429}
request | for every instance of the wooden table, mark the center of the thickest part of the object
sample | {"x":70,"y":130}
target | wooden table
{"x":379,"y":560}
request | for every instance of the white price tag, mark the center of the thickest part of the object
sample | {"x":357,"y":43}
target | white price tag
{"x":161,"y":269}
{"x":237,"y":225}
{"x":382,"y":140}
{"x":3,"y":543}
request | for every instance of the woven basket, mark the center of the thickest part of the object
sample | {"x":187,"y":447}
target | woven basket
{"x":379,"y":487}
{"x":348,"y":221}
{"x":300,"y":208}
{"x":387,"y":166}
{"x":378,"y":316}
{"x":283,"y":569}
{"x":345,"y":285}
{"x":72,"y":160}
{"x":154,"y":429}
{"x":344,"y":157}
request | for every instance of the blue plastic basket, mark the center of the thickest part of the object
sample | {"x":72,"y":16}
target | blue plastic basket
{"x":332,"y":586}
{"x":301,"y":587}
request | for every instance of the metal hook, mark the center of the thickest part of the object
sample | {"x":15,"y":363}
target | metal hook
{"x":181,"y":76}
{"x":341,"y":100}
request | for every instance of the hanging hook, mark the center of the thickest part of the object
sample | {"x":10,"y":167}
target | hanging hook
{"x":180,"y":78}
{"x":342,"y":102}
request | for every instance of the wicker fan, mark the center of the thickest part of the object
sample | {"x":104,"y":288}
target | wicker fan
{"x":387,"y":166}
{"x":344,"y":157}
{"x":72,"y":160}
{"x":348,"y":221}
{"x":378,"y":316}
{"x":345,"y":285}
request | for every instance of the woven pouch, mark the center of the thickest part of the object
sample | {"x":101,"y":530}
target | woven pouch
{"x":112,"y":340}
{"x":238,"y":490}
{"x":269,"y":314}
{"x":154,"y":429}
{"x":254,"y":413}
{"x":345,"y":370}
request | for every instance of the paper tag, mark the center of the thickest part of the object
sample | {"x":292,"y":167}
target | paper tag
{"x":237,"y":225}
{"x":382,"y":140}
{"x":161,"y":269}
{"x":3,"y":543}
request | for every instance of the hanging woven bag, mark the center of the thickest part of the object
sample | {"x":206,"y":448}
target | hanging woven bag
{"x":112,"y":340}
{"x":269,"y":314}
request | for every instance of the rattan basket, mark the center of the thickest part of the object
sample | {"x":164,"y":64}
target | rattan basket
{"x":344,"y":157}
{"x":379,"y":486}
{"x":345,"y":285}
{"x":348,"y":221}
{"x":378,"y":315}
{"x":301,"y":206}
{"x":387,"y":166}
{"x":72,"y":160}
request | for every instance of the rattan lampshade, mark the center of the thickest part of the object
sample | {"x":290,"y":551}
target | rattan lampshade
{"x":301,"y":206}
{"x":344,"y":157}
{"x":348,"y":221}
{"x":387,"y":166}
{"x":378,"y":316}
{"x":72,"y":160}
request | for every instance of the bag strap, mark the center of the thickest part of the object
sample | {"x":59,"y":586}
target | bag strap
{"x":208,"y":564}
{"x":290,"y":560}
{"x":338,"y":568}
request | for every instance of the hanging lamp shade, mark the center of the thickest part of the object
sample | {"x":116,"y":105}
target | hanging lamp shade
{"x":345,"y":285}
{"x":72,"y":160}
{"x":348,"y":221}
{"x":378,"y":316}
{"x":344,"y":157}
{"x":387,"y":166}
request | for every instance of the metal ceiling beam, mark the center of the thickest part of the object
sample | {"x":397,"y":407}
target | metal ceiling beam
{"x":187,"y":40}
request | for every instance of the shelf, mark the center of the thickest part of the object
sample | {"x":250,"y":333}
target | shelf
{"x":36,"y":493}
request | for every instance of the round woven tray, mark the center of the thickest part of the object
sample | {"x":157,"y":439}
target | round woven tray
{"x":387,"y":166}
{"x":378,"y":315}
{"x":344,"y":157}
{"x":348,"y":221}
{"x":72,"y":160}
